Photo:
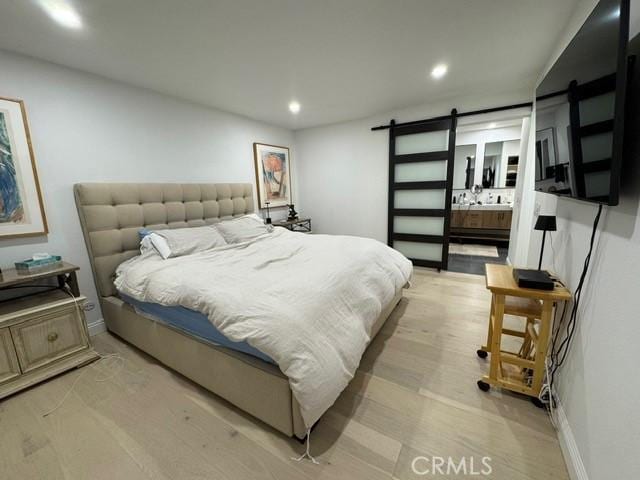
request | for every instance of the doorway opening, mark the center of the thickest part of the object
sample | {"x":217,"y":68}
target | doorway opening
{"x":486,"y":168}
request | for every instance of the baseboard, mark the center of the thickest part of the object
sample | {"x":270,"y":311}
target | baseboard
{"x":97,"y":327}
{"x":569,"y":448}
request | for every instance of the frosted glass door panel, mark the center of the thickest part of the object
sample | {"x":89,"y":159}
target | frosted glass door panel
{"x":420,"y":171}
{"x":419,"y":225}
{"x":422,"y":142}
{"x":597,"y":184}
{"x":597,"y":147}
{"x":597,"y":109}
{"x":419,"y":199}
{"x":419,"y":251}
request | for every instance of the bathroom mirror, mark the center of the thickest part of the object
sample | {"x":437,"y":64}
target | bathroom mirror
{"x":492,"y":165}
{"x":464,"y":166}
{"x":500,"y":164}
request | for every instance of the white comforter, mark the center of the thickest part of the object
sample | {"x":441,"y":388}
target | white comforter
{"x":307,"y":301}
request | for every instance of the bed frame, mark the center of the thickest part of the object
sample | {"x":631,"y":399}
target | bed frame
{"x":111,"y":215}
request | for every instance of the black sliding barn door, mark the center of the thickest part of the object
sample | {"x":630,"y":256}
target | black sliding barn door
{"x":420,"y":184}
{"x":591,"y":107}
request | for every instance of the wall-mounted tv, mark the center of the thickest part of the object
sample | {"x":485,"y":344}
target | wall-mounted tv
{"x":580,"y":110}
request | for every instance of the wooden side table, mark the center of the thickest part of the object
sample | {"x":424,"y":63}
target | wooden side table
{"x":298,"y":225}
{"x":42,"y":334}
{"x":536,"y":306}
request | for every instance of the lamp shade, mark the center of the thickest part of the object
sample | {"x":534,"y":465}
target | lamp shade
{"x":546,"y":223}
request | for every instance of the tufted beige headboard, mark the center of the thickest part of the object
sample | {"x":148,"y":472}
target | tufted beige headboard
{"x":112,"y":213}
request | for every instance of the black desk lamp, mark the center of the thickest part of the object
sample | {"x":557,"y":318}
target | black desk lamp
{"x":546,"y":223}
{"x":268,"y":219}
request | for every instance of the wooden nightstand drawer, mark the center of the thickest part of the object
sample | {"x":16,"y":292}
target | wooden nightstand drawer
{"x":49,"y":336}
{"x":9,"y":367}
{"x":41,"y":334}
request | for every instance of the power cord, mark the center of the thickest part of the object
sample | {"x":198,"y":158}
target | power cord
{"x":119,"y":361}
{"x":561,"y":343}
{"x":553,"y":254}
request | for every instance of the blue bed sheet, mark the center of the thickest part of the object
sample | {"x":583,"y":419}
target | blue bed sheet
{"x":194,"y":323}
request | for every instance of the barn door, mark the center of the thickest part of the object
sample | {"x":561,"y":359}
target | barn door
{"x":420,"y":188}
{"x":592,"y":107}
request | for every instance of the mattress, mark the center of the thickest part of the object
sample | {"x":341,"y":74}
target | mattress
{"x":193,"y":323}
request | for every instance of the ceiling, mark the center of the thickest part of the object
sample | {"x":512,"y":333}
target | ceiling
{"x":341,"y":59}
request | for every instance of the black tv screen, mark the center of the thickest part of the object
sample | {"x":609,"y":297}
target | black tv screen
{"x":580,"y":110}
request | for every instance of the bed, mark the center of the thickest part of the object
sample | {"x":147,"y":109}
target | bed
{"x":111,"y":215}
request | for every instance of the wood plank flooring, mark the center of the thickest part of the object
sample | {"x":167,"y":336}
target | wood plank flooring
{"x":414,"y":395}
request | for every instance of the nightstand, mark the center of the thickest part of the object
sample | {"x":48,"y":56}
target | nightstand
{"x":42,"y":334}
{"x":522,"y":371}
{"x":302,"y":225}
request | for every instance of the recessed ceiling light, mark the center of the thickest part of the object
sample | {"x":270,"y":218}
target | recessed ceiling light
{"x":439,"y":71}
{"x":492,"y":125}
{"x":62,"y":12}
{"x":294,"y":107}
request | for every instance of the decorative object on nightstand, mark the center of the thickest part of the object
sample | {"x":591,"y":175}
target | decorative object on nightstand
{"x":302,"y":225}
{"x":268,"y":219}
{"x":42,"y":334}
{"x":293,"y":215}
{"x":39,"y":262}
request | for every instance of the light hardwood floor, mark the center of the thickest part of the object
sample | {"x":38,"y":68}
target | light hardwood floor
{"x":414,"y":395}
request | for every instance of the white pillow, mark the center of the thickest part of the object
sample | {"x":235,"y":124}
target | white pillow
{"x":184,"y":241}
{"x":243,"y":228}
{"x":155,"y":243}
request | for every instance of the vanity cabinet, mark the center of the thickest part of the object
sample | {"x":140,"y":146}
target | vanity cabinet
{"x":486,"y":223}
{"x":500,"y":219}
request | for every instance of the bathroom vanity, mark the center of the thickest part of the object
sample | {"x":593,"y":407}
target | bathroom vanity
{"x":488,"y":222}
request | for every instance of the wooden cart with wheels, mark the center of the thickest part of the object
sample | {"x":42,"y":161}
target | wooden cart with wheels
{"x":521,"y":371}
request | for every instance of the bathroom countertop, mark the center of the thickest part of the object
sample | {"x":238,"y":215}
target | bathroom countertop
{"x":484,"y":206}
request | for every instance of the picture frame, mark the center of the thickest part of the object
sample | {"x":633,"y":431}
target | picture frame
{"x":273,"y":175}
{"x":21,"y":207}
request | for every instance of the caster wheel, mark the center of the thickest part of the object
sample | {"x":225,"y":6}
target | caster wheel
{"x":536,"y":401}
{"x":484,"y":386}
{"x":482,"y":353}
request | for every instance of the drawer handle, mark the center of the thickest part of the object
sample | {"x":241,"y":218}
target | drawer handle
{"x":52,"y":337}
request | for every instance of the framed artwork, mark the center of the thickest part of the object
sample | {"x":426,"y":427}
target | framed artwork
{"x":273,"y":175}
{"x":21,"y":209}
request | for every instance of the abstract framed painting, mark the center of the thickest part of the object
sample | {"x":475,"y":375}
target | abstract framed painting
{"x":273,"y":175}
{"x":21,"y":209}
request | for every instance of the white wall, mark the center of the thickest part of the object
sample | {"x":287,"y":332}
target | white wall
{"x":344,"y":167}
{"x":599,"y":386}
{"x":523,"y":204}
{"x":86,"y":128}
